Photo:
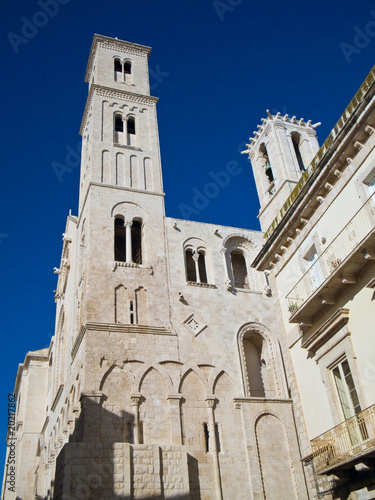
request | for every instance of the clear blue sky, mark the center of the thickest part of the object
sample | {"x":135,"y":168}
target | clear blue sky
{"x":216,"y":66}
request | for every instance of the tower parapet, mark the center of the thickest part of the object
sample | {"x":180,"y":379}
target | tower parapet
{"x":280,"y":151}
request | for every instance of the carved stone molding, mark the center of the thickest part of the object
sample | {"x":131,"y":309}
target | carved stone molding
{"x":193,"y":325}
{"x":123,"y":95}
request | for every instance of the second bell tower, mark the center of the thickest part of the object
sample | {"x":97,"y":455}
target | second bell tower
{"x":279,"y":152}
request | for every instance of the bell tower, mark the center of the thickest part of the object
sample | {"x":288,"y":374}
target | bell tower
{"x":122,"y":270}
{"x":280,"y":151}
{"x":120,"y":145}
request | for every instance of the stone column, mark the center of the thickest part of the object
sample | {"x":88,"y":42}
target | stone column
{"x":136,"y":399}
{"x":227,"y":282}
{"x":196,"y":258}
{"x":128,"y":239}
{"x":175,"y":418}
{"x":213,"y":445}
{"x":89,"y":419}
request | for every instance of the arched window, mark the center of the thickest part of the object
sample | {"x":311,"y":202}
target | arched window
{"x":239,"y":269}
{"x":118,"y":70}
{"x":296,"y":140}
{"x":202,"y":266}
{"x":130,"y":129}
{"x":191,"y":274}
{"x":119,"y":130}
{"x":136,"y":232}
{"x":196,"y":266}
{"x":127,"y":69}
{"x":128,"y":240}
{"x":266,"y":163}
{"x":252,"y":348}
{"x":120,"y":240}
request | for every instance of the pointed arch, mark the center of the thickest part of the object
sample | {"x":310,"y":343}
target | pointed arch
{"x":214,"y":377}
{"x":274,"y":456}
{"x":143,"y":371}
{"x":192,"y":366}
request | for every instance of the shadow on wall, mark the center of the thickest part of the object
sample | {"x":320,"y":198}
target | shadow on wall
{"x":102,"y":461}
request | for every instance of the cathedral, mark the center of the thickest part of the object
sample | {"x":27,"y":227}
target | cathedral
{"x":199,"y":361}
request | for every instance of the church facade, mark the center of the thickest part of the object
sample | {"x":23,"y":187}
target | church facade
{"x":176,"y":370}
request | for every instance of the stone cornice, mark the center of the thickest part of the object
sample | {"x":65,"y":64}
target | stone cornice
{"x":339,"y":319}
{"x":117,"y":45}
{"x":262,"y":400}
{"x":118,"y":328}
{"x":278,"y":121}
{"x":122,"y":95}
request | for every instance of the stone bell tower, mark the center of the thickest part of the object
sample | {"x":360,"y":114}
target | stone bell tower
{"x":121,"y":207}
{"x":280,"y":151}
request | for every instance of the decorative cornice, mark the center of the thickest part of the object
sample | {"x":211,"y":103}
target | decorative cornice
{"x":122,"y":46}
{"x":201,"y":285}
{"x":262,"y":400}
{"x":118,"y":328}
{"x":329,"y":328}
{"x":122,"y":95}
{"x":279,"y":121}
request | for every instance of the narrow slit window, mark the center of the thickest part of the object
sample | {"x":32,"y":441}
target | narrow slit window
{"x":127,"y":68}
{"x":131,"y":312}
{"x":206,"y":437}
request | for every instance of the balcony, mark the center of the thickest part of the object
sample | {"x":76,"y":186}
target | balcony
{"x":336,"y":267}
{"x":346,"y":444}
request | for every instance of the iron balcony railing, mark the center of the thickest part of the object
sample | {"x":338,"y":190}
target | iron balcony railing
{"x":345,"y":442}
{"x":359,"y":226}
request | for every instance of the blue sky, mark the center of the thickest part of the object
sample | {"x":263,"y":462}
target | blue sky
{"x":216,"y":66}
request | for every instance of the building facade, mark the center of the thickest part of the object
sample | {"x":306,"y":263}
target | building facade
{"x":320,"y":249}
{"x":170,"y":374}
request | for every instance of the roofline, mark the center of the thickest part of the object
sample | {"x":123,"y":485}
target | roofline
{"x":121,"y":43}
{"x":41,"y":354}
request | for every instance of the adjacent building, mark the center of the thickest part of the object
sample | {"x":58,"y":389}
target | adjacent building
{"x":318,"y":211}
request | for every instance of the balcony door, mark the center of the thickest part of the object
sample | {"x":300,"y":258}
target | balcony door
{"x":348,"y":397}
{"x":314,"y":271}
